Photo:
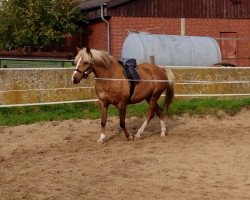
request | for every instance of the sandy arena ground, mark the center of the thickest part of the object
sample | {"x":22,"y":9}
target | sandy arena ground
{"x":200,"y":158}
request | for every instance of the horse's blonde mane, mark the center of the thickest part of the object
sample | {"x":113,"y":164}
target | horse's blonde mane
{"x":96,"y":57}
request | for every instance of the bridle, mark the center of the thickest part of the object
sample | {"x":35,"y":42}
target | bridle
{"x":85,"y":73}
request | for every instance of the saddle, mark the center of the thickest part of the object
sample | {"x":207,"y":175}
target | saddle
{"x":130,"y":72}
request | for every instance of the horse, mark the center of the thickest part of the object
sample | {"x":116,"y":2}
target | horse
{"x":112,"y":87}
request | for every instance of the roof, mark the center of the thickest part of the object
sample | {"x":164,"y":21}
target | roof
{"x":230,"y":9}
{"x":92,"y":4}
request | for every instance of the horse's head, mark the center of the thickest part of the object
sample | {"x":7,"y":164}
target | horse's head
{"x":84,"y":66}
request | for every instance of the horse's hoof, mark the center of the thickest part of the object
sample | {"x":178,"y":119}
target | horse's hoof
{"x":163,"y":134}
{"x":105,"y":140}
{"x":102,"y":138}
{"x":137,"y":137}
{"x":130,"y":138}
{"x":100,"y":141}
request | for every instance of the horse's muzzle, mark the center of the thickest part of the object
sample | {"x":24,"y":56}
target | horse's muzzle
{"x":75,"y":80}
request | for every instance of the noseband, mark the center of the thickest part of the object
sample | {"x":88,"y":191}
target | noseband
{"x":85,"y":74}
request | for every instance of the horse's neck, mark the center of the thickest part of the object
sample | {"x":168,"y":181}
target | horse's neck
{"x":112,"y":71}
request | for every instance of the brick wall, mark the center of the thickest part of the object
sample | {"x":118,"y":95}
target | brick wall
{"x":214,"y":27}
{"x":197,"y":27}
{"x":121,"y":25}
{"x":97,"y":36}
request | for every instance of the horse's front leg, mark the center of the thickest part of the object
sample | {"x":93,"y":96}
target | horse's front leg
{"x":104,"y":110}
{"x":122,"y":113}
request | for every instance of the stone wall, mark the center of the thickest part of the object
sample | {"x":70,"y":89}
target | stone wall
{"x":20,"y":86}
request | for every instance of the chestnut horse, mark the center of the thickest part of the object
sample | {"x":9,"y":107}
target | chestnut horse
{"x":113,"y":88}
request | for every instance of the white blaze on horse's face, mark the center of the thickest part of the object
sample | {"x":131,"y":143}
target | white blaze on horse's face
{"x":82,"y":69}
{"x":76,"y":77}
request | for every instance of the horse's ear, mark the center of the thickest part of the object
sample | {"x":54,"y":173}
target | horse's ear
{"x":78,"y":49}
{"x":88,"y":51}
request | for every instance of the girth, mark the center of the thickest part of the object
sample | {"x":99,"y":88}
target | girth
{"x":130,"y":72}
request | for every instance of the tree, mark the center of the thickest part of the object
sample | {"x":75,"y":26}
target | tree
{"x":10,"y":19}
{"x":37,"y":23}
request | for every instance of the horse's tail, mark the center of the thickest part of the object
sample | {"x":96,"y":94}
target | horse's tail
{"x":170,"y":89}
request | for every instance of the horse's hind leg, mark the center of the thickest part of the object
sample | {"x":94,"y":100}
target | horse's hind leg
{"x":104,"y":110}
{"x":150,"y":114}
{"x":159,"y":112}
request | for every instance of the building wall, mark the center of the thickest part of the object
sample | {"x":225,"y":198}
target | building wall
{"x":121,"y":25}
{"x":193,"y":26}
{"x":214,"y":28}
{"x":97,"y":36}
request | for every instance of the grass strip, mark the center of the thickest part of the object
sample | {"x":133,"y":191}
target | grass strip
{"x":32,"y":114}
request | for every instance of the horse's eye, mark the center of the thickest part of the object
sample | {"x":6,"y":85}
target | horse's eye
{"x":85,"y":63}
